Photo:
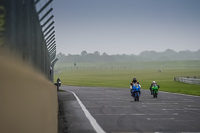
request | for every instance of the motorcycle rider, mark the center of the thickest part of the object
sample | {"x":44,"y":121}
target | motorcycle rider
{"x":139,"y":86}
{"x":134,"y":87}
{"x":153,"y":84}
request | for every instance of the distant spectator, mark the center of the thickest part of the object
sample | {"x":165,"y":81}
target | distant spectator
{"x":58,"y":82}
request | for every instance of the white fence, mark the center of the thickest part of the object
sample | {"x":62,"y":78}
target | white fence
{"x":188,"y":80}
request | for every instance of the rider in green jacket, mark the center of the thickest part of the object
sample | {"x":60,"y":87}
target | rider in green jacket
{"x":153,"y":85}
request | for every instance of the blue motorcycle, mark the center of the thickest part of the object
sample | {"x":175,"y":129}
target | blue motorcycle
{"x":135,"y":93}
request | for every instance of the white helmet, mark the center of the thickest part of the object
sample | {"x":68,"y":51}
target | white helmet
{"x":154,"y":82}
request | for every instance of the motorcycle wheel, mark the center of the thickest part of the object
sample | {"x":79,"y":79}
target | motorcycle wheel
{"x":154,"y":95}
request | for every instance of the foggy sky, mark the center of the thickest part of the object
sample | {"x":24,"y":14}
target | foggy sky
{"x":126,"y":26}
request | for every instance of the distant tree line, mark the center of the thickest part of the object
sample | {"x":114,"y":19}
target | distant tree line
{"x":167,"y":55}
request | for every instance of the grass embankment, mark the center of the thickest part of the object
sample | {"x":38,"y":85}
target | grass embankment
{"x":121,"y":77}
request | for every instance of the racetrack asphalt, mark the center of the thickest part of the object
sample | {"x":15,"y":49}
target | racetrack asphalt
{"x":115,"y":111}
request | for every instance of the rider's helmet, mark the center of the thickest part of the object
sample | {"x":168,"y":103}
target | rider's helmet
{"x":134,"y":80}
{"x":154,"y":82}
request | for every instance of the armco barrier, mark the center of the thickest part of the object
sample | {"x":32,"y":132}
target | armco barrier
{"x":189,"y":80}
{"x":21,"y":32}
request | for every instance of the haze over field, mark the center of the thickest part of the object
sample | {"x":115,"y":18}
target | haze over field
{"x":167,"y":55}
{"x":126,"y":26}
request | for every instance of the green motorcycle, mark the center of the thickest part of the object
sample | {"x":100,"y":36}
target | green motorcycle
{"x":155,"y":91}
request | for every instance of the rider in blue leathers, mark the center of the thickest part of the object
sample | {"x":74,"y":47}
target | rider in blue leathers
{"x":134,"y":87}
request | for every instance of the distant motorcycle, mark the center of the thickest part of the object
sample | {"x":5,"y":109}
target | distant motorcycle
{"x":58,"y":83}
{"x":155,"y":91}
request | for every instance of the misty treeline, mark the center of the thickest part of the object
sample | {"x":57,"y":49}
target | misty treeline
{"x":167,"y":55}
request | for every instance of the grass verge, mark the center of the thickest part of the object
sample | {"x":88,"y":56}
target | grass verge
{"x":122,"y":78}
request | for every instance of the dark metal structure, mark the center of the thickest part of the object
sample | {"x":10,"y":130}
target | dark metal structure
{"x":26,"y":27}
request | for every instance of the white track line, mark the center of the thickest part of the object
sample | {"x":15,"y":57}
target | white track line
{"x":93,"y":122}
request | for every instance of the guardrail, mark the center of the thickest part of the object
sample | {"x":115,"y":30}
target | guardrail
{"x":26,"y":27}
{"x":189,"y":80}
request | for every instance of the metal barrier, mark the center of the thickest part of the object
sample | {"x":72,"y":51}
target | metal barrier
{"x":189,"y":80}
{"x":27,"y":29}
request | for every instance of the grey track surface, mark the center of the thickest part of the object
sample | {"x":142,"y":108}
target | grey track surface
{"x":116,"y":111}
{"x":71,"y":117}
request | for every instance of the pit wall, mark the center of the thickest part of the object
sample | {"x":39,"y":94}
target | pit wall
{"x":28,"y":100}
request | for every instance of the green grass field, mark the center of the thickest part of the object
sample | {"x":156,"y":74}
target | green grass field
{"x":120,"y":75}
